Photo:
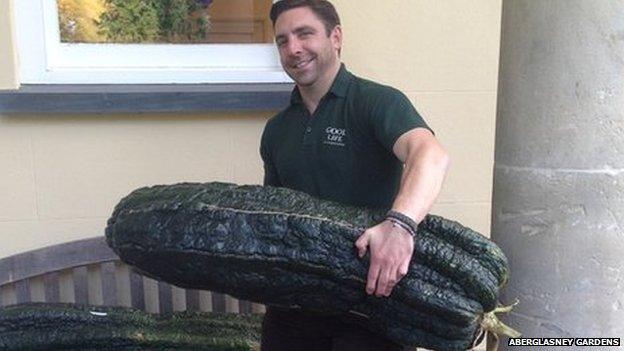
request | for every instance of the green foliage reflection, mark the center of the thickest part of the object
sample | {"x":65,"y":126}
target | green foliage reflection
{"x":138,"y":21}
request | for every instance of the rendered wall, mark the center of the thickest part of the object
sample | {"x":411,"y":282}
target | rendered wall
{"x":62,"y":175}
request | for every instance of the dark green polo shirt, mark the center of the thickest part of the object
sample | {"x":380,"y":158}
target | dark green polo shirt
{"x":343,"y":152}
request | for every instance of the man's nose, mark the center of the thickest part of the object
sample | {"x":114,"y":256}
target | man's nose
{"x":294,"y":46}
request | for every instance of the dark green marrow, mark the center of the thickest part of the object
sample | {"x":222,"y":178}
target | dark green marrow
{"x":41,"y":326}
{"x":282,"y":247}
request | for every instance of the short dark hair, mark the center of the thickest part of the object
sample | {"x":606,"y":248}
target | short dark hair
{"x":324,"y":9}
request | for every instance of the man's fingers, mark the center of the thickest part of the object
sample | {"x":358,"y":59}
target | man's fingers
{"x":362,"y":243}
{"x":373,"y":274}
{"x":403,"y":268}
{"x":384,"y":279}
{"x":391,"y":284}
{"x":396,"y":278}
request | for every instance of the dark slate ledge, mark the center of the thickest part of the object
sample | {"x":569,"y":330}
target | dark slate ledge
{"x":143,"y":98}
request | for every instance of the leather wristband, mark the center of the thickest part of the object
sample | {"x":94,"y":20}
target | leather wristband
{"x":402,"y":225}
{"x":403,"y":221}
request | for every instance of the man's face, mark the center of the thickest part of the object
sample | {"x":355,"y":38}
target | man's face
{"x":306,"y":52}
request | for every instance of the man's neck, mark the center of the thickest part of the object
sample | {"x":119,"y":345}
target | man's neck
{"x":312,"y":95}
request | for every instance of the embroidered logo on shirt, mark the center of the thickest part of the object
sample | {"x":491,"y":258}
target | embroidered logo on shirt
{"x":335,"y":136}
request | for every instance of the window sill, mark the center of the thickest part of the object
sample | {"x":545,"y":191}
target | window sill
{"x":142,"y":98}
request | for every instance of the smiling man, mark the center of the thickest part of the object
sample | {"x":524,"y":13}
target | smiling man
{"x":350,"y":140}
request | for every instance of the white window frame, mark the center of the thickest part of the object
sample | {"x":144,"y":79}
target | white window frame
{"x":43,"y":59}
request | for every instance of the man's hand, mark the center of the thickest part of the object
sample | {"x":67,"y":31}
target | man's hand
{"x":391,"y":250}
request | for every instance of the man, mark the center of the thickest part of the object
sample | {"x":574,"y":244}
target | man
{"x":350,"y":140}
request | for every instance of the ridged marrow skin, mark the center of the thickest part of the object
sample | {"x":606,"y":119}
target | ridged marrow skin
{"x":40,"y":326}
{"x":282,"y":247}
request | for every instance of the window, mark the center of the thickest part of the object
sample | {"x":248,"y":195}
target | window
{"x":79,"y":42}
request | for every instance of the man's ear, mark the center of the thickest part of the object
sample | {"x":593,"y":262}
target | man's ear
{"x":336,"y":37}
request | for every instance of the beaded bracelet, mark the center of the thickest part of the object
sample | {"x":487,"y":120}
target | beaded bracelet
{"x":403,"y":221}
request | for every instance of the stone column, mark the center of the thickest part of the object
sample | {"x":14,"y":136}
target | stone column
{"x":558,"y":205}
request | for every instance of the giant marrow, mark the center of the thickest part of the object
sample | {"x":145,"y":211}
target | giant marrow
{"x":44,"y":326}
{"x":282,"y":247}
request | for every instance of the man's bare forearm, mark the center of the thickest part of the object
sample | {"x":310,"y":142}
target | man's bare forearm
{"x":423,"y":174}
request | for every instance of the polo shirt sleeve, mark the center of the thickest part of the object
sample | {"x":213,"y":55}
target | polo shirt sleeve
{"x":391,"y":114}
{"x":270,"y":171}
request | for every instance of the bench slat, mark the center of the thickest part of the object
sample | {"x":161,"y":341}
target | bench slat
{"x":137,"y":292}
{"x":8,"y":294}
{"x":22,"y":291}
{"x":52,"y":290}
{"x":244,"y":306}
{"x":109,"y":284}
{"x":165,"y":297}
{"x":192,"y":300}
{"x":81,"y":285}
{"x":258,"y":308}
{"x":66,"y":286}
{"x":218,"y":302}
{"x":205,"y":301}
{"x":231,"y":304}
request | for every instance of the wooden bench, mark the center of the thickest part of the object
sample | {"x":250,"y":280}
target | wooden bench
{"x":89,"y":272}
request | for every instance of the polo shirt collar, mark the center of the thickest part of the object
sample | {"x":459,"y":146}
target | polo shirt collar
{"x":338,"y":88}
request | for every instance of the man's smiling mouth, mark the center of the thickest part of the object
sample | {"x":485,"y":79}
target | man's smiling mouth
{"x":301,"y":64}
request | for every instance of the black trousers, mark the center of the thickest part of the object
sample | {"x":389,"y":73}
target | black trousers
{"x":296,"y":330}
